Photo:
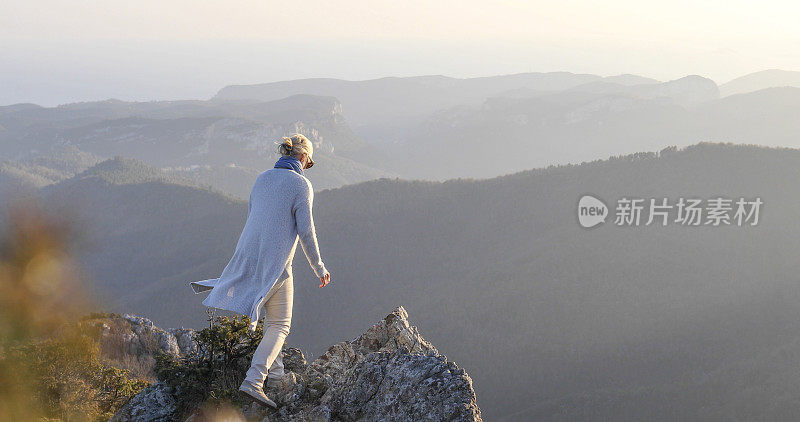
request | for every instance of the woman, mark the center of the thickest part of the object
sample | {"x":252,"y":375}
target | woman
{"x":259,"y":275}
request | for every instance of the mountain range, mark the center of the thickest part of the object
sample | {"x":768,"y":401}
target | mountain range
{"x":479,"y":239}
{"x":756,"y":81}
{"x":426,"y":127}
{"x":222,"y":144}
{"x":555,"y":322}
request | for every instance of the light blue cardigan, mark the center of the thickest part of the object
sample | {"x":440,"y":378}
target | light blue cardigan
{"x":279,"y":214}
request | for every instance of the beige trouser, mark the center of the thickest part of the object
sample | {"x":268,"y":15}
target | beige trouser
{"x":277,"y":320}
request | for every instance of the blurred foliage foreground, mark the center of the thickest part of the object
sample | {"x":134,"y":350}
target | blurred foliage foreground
{"x":54,"y":364}
{"x":50,"y":368}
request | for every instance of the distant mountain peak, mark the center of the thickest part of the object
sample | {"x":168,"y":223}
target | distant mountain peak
{"x":629,"y":79}
{"x":19,"y":107}
{"x":770,"y":78}
{"x":122,"y":171}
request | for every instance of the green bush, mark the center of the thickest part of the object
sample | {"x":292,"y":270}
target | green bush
{"x":100,"y":315}
{"x":212,"y":374}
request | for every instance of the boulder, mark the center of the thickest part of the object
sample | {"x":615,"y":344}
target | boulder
{"x":155,"y":403}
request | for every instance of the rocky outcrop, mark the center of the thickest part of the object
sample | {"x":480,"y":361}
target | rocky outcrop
{"x":388,"y":373}
{"x":155,"y":403}
{"x":137,"y":336}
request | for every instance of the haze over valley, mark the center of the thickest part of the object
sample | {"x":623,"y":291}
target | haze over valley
{"x":427,"y":127}
{"x":456,"y":198}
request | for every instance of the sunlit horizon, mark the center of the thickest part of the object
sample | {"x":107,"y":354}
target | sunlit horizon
{"x":57,"y":52}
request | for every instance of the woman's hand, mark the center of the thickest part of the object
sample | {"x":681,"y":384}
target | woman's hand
{"x":325,"y":279}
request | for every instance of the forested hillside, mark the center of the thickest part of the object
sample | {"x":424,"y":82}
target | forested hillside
{"x":553,"y":320}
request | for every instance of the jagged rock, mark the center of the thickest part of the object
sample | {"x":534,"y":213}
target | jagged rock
{"x":140,"y":336}
{"x":143,"y":328}
{"x":294,"y":360}
{"x":400,"y":386}
{"x":155,"y":403}
{"x":185,"y":339}
{"x":387,"y":373}
{"x":291,"y":389}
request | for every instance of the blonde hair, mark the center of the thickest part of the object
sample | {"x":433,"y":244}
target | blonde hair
{"x":296,"y":145}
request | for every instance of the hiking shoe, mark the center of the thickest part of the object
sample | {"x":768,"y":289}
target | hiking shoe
{"x":249,"y":391}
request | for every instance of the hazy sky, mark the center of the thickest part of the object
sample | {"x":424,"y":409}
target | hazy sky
{"x":54,"y":52}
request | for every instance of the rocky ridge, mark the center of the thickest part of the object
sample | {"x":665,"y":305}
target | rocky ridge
{"x":390,"y":372}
